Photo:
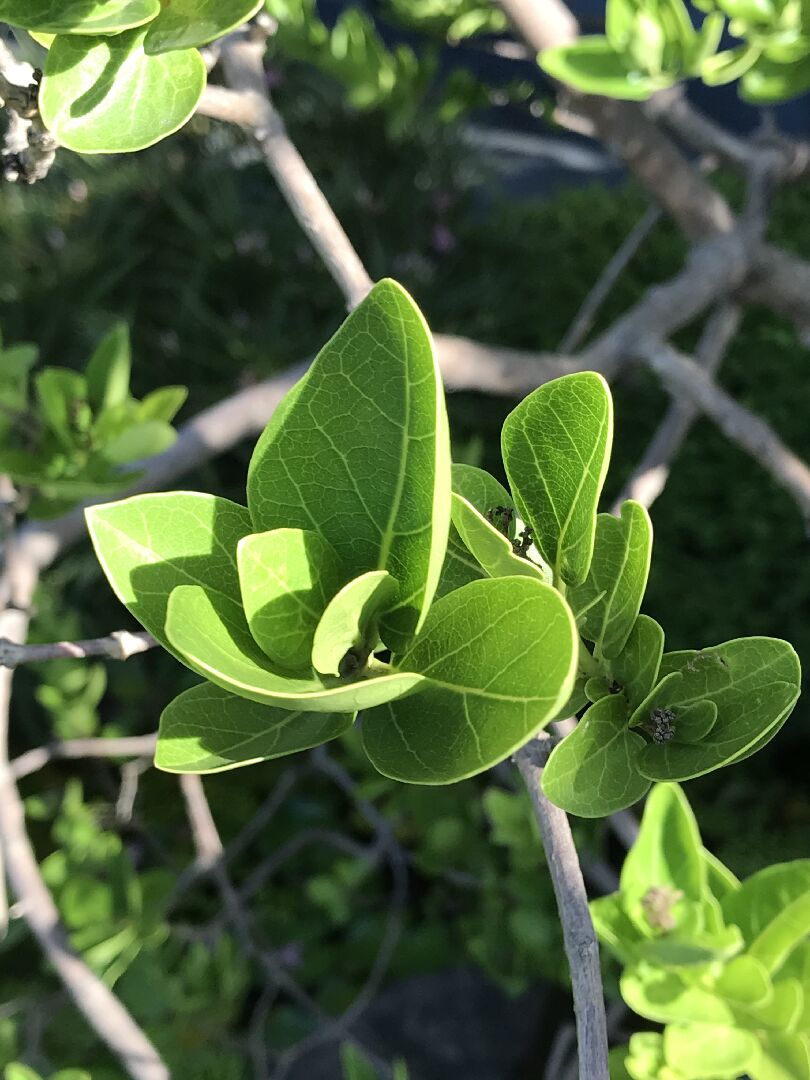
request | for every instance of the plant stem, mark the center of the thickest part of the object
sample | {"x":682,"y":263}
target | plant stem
{"x":581,"y":946}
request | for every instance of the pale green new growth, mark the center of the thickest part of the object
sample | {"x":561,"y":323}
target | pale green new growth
{"x":347,"y":632}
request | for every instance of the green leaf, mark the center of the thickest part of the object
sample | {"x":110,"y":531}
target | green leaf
{"x":744,"y":981}
{"x":613,"y":926}
{"x":668,"y":850}
{"x":108,"y":370}
{"x":592,"y":66}
{"x":692,"y":949}
{"x":60,"y":392}
{"x":187,"y":24}
{"x":645,"y":1056}
{"x":789,"y":928}
{"x":287,"y":577}
{"x":355,"y":1065}
{"x":482,"y":491}
{"x":612,"y":592}
{"x":15,"y":1070}
{"x":764,"y":895}
{"x":710,"y":1051}
{"x":556,"y":447}
{"x":784,"y":1009}
{"x":769,"y":81}
{"x":207,"y":730}
{"x":783,"y":1057}
{"x":636,"y":667}
{"x":162,"y":404}
{"x":149,"y":544}
{"x":499,"y":659}
{"x":754,"y":682}
{"x":592,"y":772}
{"x":347,"y":631}
{"x":78,"y":16}
{"x":139,"y":441}
{"x":104,"y":95}
{"x":728,"y":65}
{"x":200,"y":628}
{"x":663,"y":995}
{"x":366,"y":430}
{"x":488,"y":546}
{"x":719,"y":879}
{"x":696,"y":721}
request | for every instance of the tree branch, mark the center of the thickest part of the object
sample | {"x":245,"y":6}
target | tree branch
{"x":74,"y":749}
{"x":119,"y":645}
{"x":581,"y":946}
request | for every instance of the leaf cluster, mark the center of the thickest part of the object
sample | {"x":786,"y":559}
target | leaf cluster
{"x":723,"y":964}
{"x":68,"y":436}
{"x":652,"y":44}
{"x":317,"y":600}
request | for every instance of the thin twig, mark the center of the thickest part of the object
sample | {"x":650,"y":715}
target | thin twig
{"x":120,"y":645}
{"x":134,"y":746}
{"x":581,"y":946}
{"x":649,"y":477}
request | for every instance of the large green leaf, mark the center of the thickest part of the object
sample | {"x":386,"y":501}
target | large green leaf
{"x":199,"y":628}
{"x":104,"y":95}
{"x":636,"y":667}
{"x":556,"y":448}
{"x":187,"y":24}
{"x":347,"y":631}
{"x":149,"y":544}
{"x":612,"y":592}
{"x":490,"y":547}
{"x":366,"y":430}
{"x":710,"y":1051}
{"x":754,"y":682}
{"x":499,"y":659}
{"x":592,"y":772}
{"x":78,"y":16}
{"x":206,"y":730}
{"x":108,"y":370}
{"x":761,"y":897}
{"x":287,"y":577}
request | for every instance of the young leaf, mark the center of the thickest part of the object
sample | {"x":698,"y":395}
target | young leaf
{"x":696,"y":721}
{"x":592,"y":66}
{"x":187,"y":24}
{"x":613,"y":926}
{"x":207,"y":730}
{"x":761,"y":897}
{"x":744,"y":980}
{"x":636,"y":667}
{"x":668,"y":851}
{"x":664,"y":995}
{"x":499,"y":659}
{"x":782,"y":934}
{"x":488,"y":546}
{"x":198,"y":627}
{"x":162,"y":404}
{"x":592,"y":772}
{"x":139,"y":441}
{"x":483,"y":491}
{"x":556,"y":447}
{"x":104,"y":95}
{"x":719,"y":879}
{"x":783,"y":1056}
{"x":709,"y":1051}
{"x":287,"y":577}
{"x":348,"y":626}
{"x":754,"y":682}
{"x":782,"y":1012}
{"x":768,"y":81}
{"x":612,"y":592}
{"x":366,"y":430}
{"x":108,"y":370}
{"x":149,"y":544}
{"x":78,"y":16}
{"x":60,"y":391}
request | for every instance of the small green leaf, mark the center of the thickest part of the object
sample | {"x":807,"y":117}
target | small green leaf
{"x":592,"y":772}
{"x":149,"y":544}
{"x":719,"y":879}
{"x":761,"y":897}
{"x":692,"y":949}
{"x":207,"y":730}
{"x":754,"y":682}
{"x":366,"y":430}
{"x":348,"y":626}
{"x":482,"y":491}
{"x":744,"y":981}
{"x":664,"y":995}
{"x":78,"y":16}
{"x":556,"y":447}
{"x":162,"y":404}
{"x":60,"y":392}
{"x":287,"y":577}
{"x":783,"y":1057}
{"x":139,"y":441}
{"x":612,"y":592}
{"x":696,"y":721}
{"x":187,"y":24}
{"x":199,"y":627}
{"x":108,"y":370}
{"x":490,"y":547}
{"x":728,"y":65}
{"x":104,"y":95}
{"x":783,"y":933}
{"x":769,"y":81}
{"x":355,"y":1065}
{"x":783,"y":1011}
{"x":499,"y":660}
{"x":636,"y":667}
{"x":613,"y":926}
{"x":592,"y":66}
{"x":710,"y":1051}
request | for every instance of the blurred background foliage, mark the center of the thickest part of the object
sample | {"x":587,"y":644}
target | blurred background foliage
{"x":191,"y":244}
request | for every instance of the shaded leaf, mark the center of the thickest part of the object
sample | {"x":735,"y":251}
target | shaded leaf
{"x":636,"y":667}
{"x":108,"y":370}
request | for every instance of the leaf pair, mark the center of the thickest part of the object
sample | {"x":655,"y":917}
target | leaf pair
{"x":122,"y":74}
{"x":722,"y":964}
